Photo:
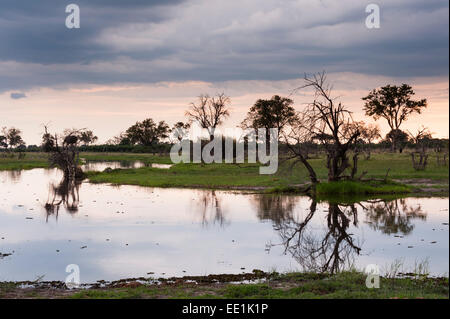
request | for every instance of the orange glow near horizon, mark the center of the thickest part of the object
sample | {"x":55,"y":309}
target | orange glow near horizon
{"x":109,"y":110}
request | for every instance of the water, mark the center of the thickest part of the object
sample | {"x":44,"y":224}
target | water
{"x":115,"y":232}
{"x":100,"y":166}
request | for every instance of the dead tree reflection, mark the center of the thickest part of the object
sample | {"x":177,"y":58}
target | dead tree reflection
{"x":393,"y":217}
{"x":65,"y":194}
{"x":210,"y":209}
{"x":331,"y":251}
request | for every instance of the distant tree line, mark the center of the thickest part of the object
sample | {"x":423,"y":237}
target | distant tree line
{"x":325,"y":125}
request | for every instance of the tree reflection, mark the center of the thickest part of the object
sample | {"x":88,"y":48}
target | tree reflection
{"x":210,"y":209}
{"x":66,"y":193}
{"x":392,"y":217}
{"x":274,"y":207}
{"x":330,"y":251}
{"x":333,"y":248}
{"x":14,"y":175}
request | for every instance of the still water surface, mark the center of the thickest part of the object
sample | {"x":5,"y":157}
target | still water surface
{"x":114,"y":232}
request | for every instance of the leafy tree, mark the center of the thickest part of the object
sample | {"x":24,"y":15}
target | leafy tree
{"x":274,"y":113}
{"x":11,"y":137}
{"x":147,"y":132}
{"x":87,"y":137}
{"x":179,"y":129}
{"x":393,"y":103}
{"x":3,"y":141}
{"x":399,"y":137}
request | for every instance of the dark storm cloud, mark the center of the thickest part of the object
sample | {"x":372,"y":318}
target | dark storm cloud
{"x":34,"y":31}
{"x":18,"y":95}
{"x":209,"y":40}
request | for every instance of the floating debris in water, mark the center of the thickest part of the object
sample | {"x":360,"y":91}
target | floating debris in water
{"x":83,"y":247}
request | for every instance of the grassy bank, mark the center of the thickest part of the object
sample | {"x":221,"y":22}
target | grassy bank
{"x":40,"y":160}
{"x":287,"y":179}
{"x":286,"y":286}
{"x":31,"y":160}
{"x":246,"y":176}
{"x":359,"y":188}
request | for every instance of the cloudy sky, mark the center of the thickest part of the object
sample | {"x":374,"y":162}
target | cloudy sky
{"x":135,"y":59}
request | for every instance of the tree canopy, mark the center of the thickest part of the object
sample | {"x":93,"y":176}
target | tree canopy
{"x":393,"y":103}
{"x":147,"y":132}
{"x":274,"y":113}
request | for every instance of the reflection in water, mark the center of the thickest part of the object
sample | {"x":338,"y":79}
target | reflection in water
{"x":334,"y":249}
{"x":14,"y":175}
{"x":392,"y":217}
{"x":210,"y":209}
{"x":128,"y":231}
{"x":275,"y":207}
{"x":102,"y":165}
{"x":65,"y":193}
{"x":328,"y":252}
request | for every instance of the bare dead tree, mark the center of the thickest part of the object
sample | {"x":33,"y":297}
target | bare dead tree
{"x":64,"y":152}
{"x":298,"y":139}
{"x":209,"y":112}
{"x":324,"y":120}
{"x":421,"y":139}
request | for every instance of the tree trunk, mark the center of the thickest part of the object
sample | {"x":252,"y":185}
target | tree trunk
{"x":393,"y":145}
{"x":312,"y":173}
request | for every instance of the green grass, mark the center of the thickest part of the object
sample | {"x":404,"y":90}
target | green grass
{"x":285,"y":180}
{"x":349,"y":284}
{"x":190,"y":175}
{"x":246,"y":175}
{"x":32,"y":160}
{"x":40,"y":160}
{"x":358,"y":188}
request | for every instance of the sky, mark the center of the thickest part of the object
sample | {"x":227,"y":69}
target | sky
{"x":135,"y":59}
